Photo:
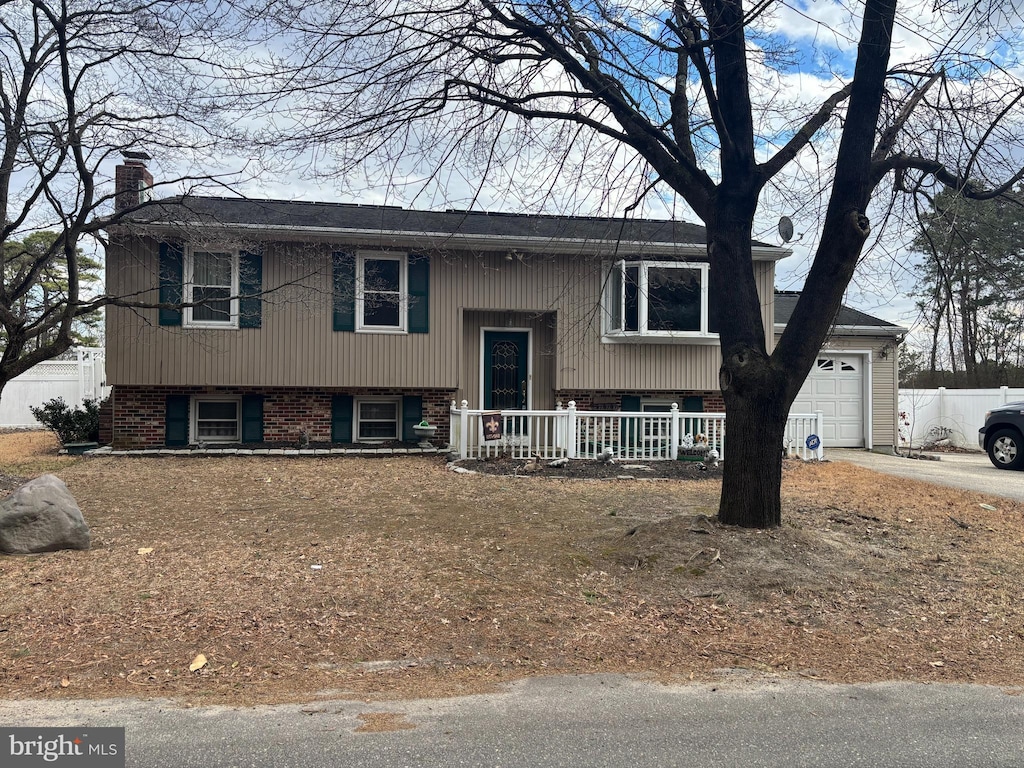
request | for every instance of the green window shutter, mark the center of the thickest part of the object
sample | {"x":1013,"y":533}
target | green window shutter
{"x":693,"y":404}
{"x":172,"y":277}
{"x":631,"y":402}
{"x":252,"y":419}
{"x":341,"y":419}
{"x":250,"y":289}
{"x":629,"y":433}
{"x":419,"y":294}
{"x":343,"y":266}
{"x":412,"y":414}
{"x":176,"y":420}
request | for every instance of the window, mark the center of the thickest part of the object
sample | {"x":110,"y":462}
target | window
{"x":828,"y":364}
{"x":216,"y":420}
{"x":211,"y":284}
{"x":377,"y":420}
{"x":666,"y":299}
{"x":382,"y":299}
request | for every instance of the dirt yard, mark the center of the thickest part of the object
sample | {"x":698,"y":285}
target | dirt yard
{"x":297,"y":579}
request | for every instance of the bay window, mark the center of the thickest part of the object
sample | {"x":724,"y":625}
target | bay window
{"x":666,"y":299}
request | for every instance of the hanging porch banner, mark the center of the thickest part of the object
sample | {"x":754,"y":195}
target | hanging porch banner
{"x":492,"y":425}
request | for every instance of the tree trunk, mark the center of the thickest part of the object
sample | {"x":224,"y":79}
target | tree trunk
{"x":755,"y":426}
{"x":754,"y":390}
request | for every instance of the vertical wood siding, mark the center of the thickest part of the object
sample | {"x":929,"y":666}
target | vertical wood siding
{"x":296,"y":345}
{"x":542,"y":348}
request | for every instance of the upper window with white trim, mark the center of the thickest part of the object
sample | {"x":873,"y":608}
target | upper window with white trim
{"x":382,"y":294}
{"x":211,"y":287}
{"x":661,"y":299}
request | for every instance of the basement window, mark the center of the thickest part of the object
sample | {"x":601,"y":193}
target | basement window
{"x":377,"y":420}
{"x":216,"y":420}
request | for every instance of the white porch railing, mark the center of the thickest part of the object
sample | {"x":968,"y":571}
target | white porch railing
{"x":804,"y":430}
{"x":630,"y":435}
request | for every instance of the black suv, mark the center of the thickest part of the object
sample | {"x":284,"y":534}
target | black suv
{"x":1003,"y":436}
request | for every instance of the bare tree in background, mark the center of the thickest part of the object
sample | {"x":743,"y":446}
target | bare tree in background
{"x":81,"y":82}
{"x":689,"y":98}
{"x":971,"y":290}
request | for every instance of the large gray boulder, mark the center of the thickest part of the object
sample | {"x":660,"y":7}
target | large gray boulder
{"x":41,"y":516}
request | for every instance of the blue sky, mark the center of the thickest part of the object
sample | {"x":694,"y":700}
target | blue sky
{"x":821,"y":37}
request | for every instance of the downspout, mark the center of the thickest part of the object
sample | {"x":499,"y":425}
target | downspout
{"x":869,"y":414}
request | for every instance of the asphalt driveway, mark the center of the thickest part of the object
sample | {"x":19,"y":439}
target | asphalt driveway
{"x":969,"y":471}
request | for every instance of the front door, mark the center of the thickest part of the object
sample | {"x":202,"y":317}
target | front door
{"x":506,"y":370}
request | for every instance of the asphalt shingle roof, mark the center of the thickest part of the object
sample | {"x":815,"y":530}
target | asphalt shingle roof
{"x":347,"y":216}
{"x":785,"y":303}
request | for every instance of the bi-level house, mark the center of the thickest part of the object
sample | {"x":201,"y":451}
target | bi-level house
{"x":352,"y":323}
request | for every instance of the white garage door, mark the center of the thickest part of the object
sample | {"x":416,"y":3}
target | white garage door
{"x":835,"y":386}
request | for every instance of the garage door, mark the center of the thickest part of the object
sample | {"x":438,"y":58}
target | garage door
{"x":835,"y":386}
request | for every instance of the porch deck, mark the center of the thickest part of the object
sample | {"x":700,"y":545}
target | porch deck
{"x":629,"y":435}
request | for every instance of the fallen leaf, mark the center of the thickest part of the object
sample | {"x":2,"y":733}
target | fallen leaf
{"x":65,"y":682}
{"x":197,"y":663}
{"x":145,"y":550}
{"x":989,"y":507}
{"x":936,"y":663}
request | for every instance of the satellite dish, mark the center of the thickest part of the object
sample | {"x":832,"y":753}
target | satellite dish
{"x":786,"y":229}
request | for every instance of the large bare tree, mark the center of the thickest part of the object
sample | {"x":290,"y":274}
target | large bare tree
{"x":694,"y":96}
{"x":81,"y":82}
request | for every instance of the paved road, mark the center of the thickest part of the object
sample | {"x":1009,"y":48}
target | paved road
{"x":598,"y":721}
{"x":970,"y":471}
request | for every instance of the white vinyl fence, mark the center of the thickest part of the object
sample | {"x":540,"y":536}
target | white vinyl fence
{"x":930,"y":415}
{"x":80,"y":377}
{"x":630,"y":435}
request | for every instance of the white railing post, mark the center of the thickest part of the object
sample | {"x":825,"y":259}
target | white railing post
{"x":560,"y":431}
{"x":571,"y":430}
{"x":819,"y":428}
{"x":1003,"y":390}
{"x":673,"y":433}
{"x":464,"y":430}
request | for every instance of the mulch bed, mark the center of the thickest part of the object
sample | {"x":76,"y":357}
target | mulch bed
{"x":583,"y":469}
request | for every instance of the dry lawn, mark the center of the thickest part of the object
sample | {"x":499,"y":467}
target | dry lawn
{"x":304,"y":578}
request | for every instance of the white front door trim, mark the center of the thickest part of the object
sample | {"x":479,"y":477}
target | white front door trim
{"x":529,"y":359}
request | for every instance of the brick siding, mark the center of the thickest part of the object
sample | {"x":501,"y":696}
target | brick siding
{"x":137,"y":419}
{"x":600,"y":400}
{"x":138,"y":412}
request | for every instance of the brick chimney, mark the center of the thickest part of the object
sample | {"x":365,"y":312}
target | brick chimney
{"x":132,"y":182}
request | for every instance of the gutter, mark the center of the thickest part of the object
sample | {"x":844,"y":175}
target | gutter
{"x":858,"y":330}
{"x":498,"y":243}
